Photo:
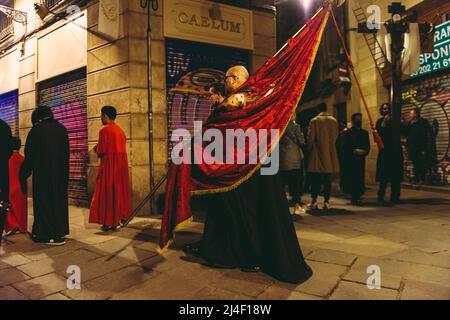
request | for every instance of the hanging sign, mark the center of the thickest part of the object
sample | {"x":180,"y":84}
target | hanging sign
{"x":440,"y":58}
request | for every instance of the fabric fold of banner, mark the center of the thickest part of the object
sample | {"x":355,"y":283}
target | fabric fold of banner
{"x":273,"y":93}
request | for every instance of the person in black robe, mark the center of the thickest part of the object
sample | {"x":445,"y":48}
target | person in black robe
{"x":47,"y":158}
{"x":251,"y":227}
{"x":419,"y":144}
{"x":390,"y":159}
{"x":355,"y":148}
{"x":5,"y":154}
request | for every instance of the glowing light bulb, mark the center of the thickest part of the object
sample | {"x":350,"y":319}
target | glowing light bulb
{"x":306,"y":4}
{"x":396,"y":17}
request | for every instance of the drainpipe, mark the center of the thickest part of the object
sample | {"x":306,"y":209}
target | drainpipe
{"x":150,"y":5}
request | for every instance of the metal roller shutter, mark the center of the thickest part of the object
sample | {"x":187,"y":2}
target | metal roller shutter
{"x":191,"y":69}
{"x":432,"y":96}
{"x":9,"y":110}
{"x":66,"y":95}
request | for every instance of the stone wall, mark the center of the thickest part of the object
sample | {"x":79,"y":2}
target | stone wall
{"x":117,"y":75}
{"x":264,"y":38}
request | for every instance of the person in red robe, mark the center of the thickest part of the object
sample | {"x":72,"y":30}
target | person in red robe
{"x":17,"y":218}
{"x":111,"y":203}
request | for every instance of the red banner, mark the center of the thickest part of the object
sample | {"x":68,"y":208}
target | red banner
{"x":273,"y":93}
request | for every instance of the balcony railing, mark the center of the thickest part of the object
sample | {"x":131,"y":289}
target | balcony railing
{"x":6,"y":28}
{"x":52,"y":3}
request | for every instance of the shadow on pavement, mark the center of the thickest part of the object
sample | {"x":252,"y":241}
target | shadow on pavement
{"x":330,"y":212}
{"x":427,"y":201}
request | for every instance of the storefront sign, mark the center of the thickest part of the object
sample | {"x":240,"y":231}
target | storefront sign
{"x":205,"y":21}
{"x":440,"y":58}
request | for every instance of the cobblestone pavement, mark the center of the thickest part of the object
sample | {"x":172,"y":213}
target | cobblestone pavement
{"x":410,"y":243}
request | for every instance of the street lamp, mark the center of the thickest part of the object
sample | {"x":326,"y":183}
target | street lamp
{"x":396,"y":27}
{"x":41,"y":10}
{"x":306,"y":4}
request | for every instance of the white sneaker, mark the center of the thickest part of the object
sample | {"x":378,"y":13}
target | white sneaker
{"x":299,"y":210}
{"x":58,"y":242}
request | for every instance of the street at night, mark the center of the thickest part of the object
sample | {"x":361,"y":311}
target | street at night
{"x":182,"y":153}
{"x":408,"y":242}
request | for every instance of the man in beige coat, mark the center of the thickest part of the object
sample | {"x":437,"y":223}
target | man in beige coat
{"x":322,"y":154}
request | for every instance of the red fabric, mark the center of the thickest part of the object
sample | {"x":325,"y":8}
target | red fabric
{"x":111,"y":202}
{"x":17,"y":218}
{"x":286,"y":75}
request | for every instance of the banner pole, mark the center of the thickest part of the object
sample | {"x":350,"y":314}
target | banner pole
{"x":375,"y":134}
{"x":298,"y":32}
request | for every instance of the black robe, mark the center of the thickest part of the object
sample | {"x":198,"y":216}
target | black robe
{"x":47,"y":158}
{"x":252,"y":226}
{"x":354,"y":166}
{"x":390,"y":159}
{"x":5,"y":154}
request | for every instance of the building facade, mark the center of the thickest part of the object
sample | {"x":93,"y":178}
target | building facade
{"x":82,"y":55}
{"x":427,"y":90}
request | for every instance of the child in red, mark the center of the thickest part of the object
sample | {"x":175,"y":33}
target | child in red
{"x":16,"y":220}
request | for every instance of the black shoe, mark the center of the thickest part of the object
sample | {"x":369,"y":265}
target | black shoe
{"x":37,"y":239}
{"x":253,"y":269}
{"x":106,"y":228}
{"x":192,"y":249}
{"x":115,"y":229}
{"x":397,"y":201}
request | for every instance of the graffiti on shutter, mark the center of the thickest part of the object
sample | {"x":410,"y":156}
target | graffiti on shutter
{"x":432,"y":96}
{"x":66,"y":95}
{"x":191,"y":69}
{"x":189,"y":101}
{"x":9,"y":110}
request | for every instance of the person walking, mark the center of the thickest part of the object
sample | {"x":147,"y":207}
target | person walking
{"x":111,"y":203}
{"x":291,"y":163}
{"x":419,"y":144}
{"x":323,"y":159}
{"x":17,"y":218}
{"x":47,"y":154}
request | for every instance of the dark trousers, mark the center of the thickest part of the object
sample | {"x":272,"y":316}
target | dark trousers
{"x":317,"y":180}
{"x":294,"y":180}
{"x":2,"y":223}
{"x":395,"y":190}
{"x":418,"y":161}
{"x":4,"y":196}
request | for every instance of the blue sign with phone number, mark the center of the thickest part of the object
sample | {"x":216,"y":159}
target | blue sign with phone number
{"x":440,"y":58}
